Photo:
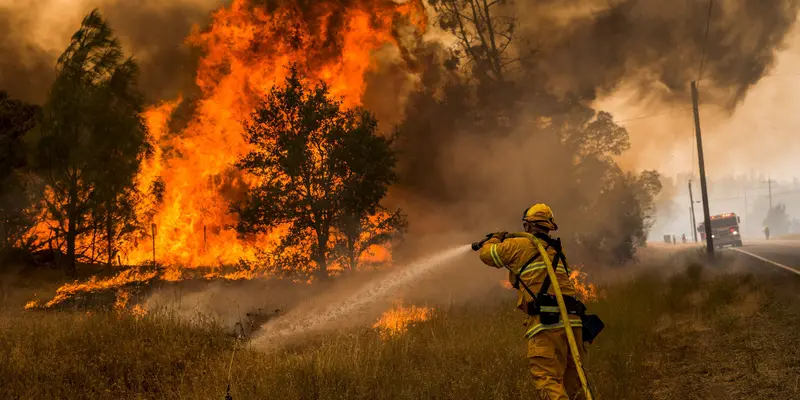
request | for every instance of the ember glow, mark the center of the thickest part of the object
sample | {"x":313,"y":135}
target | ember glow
{"x":396,"y":321}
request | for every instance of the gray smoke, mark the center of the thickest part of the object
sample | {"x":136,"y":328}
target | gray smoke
{"x":590,"y":46}
{"x":152,"y":31}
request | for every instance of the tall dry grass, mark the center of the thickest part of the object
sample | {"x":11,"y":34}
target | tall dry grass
{"x":475,"y":352}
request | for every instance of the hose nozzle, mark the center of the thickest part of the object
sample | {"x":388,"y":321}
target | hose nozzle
{"x":477,"y":245}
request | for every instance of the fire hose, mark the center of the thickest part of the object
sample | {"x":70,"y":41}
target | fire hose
{"x":562,"y":307}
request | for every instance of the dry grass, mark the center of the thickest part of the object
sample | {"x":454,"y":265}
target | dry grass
{"x":687,"y":336}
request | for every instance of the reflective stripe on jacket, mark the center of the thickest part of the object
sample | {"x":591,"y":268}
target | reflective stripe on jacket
{"x":514,"y":253}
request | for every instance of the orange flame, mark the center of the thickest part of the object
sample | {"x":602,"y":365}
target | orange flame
{"x":122,"y":300}
{"x":395,"y":322}
{"x":585,"y":290}
{"x":117,"y":282}
{"x":246,"y":51}
{"x":138,"y":311}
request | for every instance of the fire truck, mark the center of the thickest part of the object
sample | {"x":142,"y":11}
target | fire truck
{"x":724,"y":230}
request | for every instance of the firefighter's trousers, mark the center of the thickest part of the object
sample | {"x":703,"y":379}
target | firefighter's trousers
{"x":554,"y":373}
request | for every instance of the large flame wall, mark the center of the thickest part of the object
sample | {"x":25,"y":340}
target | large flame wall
{"x":246,"y":50}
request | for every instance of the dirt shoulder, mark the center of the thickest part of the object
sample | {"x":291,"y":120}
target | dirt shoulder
{"x":732,"y":337}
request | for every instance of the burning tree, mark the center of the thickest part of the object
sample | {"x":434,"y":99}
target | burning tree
{"x":92,"y":140}
{"x":320,"y":172}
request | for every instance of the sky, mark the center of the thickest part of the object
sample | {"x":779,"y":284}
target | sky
{"x":760,"y":137}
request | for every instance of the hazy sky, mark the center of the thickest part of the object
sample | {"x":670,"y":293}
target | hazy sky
{"x":760,"y":137}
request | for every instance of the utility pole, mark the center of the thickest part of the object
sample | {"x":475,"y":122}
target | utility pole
{"x":703,"y":187}
{"x":746,"y":221}
{"x":691,"y":207}
{"x":769,"y":182}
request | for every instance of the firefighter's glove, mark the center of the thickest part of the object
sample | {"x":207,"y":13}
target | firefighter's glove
{"x":499,"y":235}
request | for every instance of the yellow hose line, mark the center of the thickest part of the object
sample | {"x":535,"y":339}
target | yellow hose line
{"x":573,"y":346}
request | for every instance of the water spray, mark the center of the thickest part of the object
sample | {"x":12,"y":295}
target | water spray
{"x":371,"y":292}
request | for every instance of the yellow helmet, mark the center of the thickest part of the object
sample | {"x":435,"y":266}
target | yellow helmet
{"x":540,"y":214}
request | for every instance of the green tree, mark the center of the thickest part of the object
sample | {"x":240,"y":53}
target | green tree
{"x":620,"y":217}
{"x":321,"y":172}
{"x":122,"y":143}
{"x":91,"y":140}
{"x":16,"y":211}
{"x":778,"y":220}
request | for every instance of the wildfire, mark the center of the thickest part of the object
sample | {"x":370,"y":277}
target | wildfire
{"x":122,"y":300}
{"x":396,"y":321}
{"x":246,"y":50}
{"x":138,"y":311}
{"x":586,"y":291}
{"x":115,"y":283}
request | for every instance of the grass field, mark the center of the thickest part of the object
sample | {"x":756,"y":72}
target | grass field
{"x":696,"y":334}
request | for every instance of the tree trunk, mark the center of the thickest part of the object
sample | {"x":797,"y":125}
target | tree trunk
{"x":72,"y":210}
{"x":351,"y":252}
{"x":110,"y":230}
{"x":322,"y":259}
{"x":94,"y":241}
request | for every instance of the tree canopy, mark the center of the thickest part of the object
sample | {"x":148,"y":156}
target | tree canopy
{"x":92,"y":140}
{"x":321,"y":172}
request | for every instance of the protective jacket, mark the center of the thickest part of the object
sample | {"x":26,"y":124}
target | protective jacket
{"x":521,"y":256}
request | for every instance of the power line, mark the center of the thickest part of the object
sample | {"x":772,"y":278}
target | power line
{"x":742,"y":197}
{"x":696,"y":126}
{"x":672,"y":110}
{"x":705,"y":41}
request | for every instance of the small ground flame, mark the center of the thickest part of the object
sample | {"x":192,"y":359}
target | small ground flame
{"x":138,"y":311}
{"x":396,"y":321}
{"x":586,"y":291}
{"x":70,"y":290}
{"x":122,"y":300}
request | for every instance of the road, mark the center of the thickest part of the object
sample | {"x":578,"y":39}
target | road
{"x":783,"y":256}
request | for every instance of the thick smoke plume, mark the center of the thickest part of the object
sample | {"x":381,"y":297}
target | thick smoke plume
{"x":585,"y":46}
{"x":589,"y":46}
{"x":33,"y":35}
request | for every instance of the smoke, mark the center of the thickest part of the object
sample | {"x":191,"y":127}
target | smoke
{"x":640,"y":54}
{"x":656,"y":46}
{"x":153,"y":32}
{"x":25,"y":68}
{"x":650,"y":49}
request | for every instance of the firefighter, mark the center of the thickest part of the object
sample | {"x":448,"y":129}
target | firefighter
{"x":766,"y":231}
{"x":554,"y":371}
